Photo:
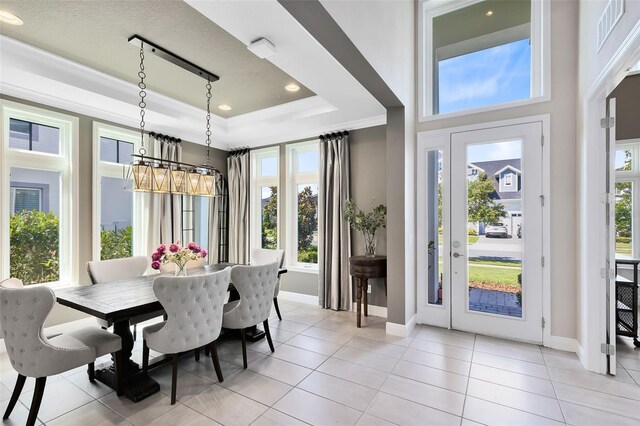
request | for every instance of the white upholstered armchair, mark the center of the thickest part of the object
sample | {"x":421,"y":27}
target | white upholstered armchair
{"x":32,"y":354}
{"x":260,"y":256}
{"x":255,"y":285}
{"x":194,"y":307}
{"x":104,"y":271}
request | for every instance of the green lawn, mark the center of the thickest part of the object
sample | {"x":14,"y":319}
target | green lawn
{"x":623,"y":248}
{"x":494,"y":275}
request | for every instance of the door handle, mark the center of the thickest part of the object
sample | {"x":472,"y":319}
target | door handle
{"x":457,"y":255}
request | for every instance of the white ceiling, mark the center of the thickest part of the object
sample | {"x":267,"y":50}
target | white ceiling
{"x":341,"y":102}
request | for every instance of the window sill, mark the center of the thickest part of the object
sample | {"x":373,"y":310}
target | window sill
{"x":498,"y":107}
{"x":303,"y":269}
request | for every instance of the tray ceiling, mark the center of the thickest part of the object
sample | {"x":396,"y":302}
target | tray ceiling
{"x":94,"y":33}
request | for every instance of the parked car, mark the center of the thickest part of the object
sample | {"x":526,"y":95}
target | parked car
{"x":497,"y":230}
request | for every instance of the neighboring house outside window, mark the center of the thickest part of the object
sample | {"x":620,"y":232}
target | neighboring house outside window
{"x":505,"y":175}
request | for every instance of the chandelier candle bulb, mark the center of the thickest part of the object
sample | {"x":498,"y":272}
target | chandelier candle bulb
{"x":142,"y":176}
{"x":178,"y":181}
{"x":161,"y":178}
{"x":194,"y":182}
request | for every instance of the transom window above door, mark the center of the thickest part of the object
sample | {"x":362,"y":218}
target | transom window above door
{"x":480,"y":55}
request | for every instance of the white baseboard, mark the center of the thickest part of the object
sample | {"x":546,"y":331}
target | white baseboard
{"x":564,"y":344}
{"x":376,"y":311}
{"x":298,"y":297}
{"x":402,"y":330}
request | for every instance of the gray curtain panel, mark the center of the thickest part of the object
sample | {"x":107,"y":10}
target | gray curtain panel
{"x":238,"y":176}
{"x":216,"y":220}
{"x":335,"y":236}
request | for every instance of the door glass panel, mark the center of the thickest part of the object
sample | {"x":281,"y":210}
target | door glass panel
{"x":34,"y":225}
{"x":624,"y":221}
{"x":495,"y":228}
{"x":434,"y":227}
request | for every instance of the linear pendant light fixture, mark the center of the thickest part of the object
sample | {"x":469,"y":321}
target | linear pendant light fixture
{"x":151,"y":174}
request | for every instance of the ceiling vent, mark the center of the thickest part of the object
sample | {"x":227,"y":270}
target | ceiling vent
{"x":262,"y":48}
{"x":608,"y":20}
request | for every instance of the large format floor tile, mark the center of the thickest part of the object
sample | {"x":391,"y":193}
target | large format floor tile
{"x":226,"y":407}
{"x":256,"y":386}
{"x":338,"y":390}
{"x":316,"y":410}
{"x":403,"y":412}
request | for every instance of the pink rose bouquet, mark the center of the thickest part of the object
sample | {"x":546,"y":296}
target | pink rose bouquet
{"x":175,"y":253}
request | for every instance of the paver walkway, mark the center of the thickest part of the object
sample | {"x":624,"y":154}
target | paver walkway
{"x":494,"y":302}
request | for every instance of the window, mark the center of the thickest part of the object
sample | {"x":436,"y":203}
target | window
{"x":29,"y":199}
{"x":29,"y":136}
{"x":38,"y":217}
{"x":264,"y":198}
{"x":115,"y":151}
{"x":508,"y":180}
{"x":113,"y":209}
{"x":303,"y":164}
{"x":627,"y":198}
{"x":481,"y":54}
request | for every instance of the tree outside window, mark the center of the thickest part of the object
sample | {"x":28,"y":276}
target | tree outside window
{"x":269,"y":200}
{"x":308,"y":223}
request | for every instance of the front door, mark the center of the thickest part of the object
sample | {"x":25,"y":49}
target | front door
{"x":496,"y":231}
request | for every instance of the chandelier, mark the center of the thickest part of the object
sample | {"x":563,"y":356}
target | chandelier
{"x":163,"y":176}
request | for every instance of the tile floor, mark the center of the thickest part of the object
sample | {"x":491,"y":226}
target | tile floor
{"x":325,"y":371}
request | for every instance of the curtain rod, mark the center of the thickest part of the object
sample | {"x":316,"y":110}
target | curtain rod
{"x":164,"y":138}
{"x":239,"y":151}
{"x":335,"y":135}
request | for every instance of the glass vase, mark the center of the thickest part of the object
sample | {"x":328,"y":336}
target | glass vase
{"x":370,"y":241}
{"x":180,"y":271}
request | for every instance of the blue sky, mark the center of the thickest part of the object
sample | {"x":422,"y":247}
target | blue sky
{"x":491,"y":76}
{"x":494,"y":151}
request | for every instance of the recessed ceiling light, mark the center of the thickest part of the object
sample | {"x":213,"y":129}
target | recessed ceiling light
{"x":10,"y":18}
{"x":489,"y":13}
{"x":224,"y":107}
{"x":292,"y":87}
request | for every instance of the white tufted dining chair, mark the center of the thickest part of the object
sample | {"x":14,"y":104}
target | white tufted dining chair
{"x":260,"y":256}
{"x":32,"y":354}
{"x":194,"y":307}
{"x":104,"y":271}
{"x":255,"y":285}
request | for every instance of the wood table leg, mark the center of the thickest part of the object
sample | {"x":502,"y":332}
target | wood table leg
{"x":365,"y":290}
{"x":358,"y":299}
{"x":136,"y":383}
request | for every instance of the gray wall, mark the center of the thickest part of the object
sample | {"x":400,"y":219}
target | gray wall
{"x":627,"y":96}
{"x":368,"y":180}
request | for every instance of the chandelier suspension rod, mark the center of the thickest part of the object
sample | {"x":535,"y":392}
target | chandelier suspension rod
{"x":173,"y":58}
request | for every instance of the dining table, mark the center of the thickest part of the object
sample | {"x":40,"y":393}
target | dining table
{"x":119,"y":301}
